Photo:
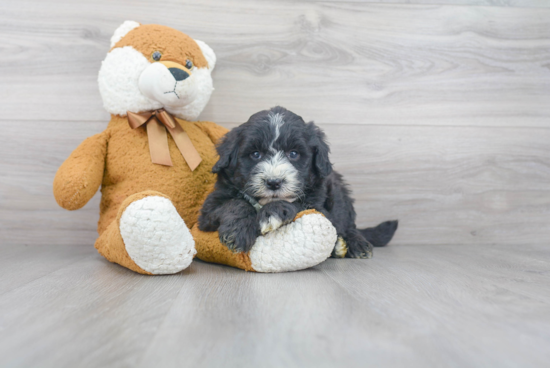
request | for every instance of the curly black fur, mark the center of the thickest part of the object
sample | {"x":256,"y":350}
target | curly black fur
{"x":272,"y":167}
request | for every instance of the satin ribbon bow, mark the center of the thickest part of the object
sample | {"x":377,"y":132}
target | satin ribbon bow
{"x":157,"y":121}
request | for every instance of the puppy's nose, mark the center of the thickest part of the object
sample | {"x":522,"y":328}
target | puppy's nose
{"x":273,"y":184}
{"x":179,"y":74}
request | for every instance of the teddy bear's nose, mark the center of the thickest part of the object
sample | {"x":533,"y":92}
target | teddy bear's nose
{"x":179,"y":74}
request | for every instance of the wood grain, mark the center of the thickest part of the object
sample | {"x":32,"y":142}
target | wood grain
{"x":353,"y":63}
{"x":447,"y":185}
{"x":413,"y":306}
{"x":24,"y":263}
{"x":506,"y":3}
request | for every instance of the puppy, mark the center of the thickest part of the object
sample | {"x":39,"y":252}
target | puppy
{"x":272,"y":167}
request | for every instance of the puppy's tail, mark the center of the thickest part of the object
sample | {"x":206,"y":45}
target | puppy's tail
{"x":380,"y":235}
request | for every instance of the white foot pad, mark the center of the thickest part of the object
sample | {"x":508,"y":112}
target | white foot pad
{"x":156,"y":237}
{"x":301,"y":244}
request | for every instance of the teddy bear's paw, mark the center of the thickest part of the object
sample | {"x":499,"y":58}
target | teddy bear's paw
{"x":156,"y":237}
{"x":298,"y":245}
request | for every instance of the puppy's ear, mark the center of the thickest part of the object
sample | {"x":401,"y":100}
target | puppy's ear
{"x":228,"y":149}
{"x":321,"y":161}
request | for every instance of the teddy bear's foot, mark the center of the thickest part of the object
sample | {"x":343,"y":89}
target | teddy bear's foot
{"x":155,"y":236}
{"x":301,"y":244}
{"x":148,"y":236}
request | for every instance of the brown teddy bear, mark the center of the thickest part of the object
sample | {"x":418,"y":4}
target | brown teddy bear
{"x":154,"y":163}
{"x":153,"y":179}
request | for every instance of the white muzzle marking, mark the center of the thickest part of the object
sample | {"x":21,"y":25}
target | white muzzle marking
{"x":275,"y":167}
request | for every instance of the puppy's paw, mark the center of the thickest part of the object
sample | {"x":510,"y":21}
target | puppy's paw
{"x":239,"y":236}
{"x":270,"y":224}
{"x":274,"y":215}
{"x":358,"y":246}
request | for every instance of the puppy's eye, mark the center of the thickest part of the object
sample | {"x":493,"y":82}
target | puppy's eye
{"x":256,"y":155}
{"x":156,"y":55}
{"x":189,"y":64}
{"x":293,"y":155}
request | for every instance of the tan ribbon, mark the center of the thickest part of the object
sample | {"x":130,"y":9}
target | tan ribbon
{"x":156,"y":121}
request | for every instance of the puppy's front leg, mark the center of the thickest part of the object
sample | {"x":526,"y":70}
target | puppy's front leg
{"x":276,"y":214}
{"x":235,"y":220}
{"x":238,"y":227}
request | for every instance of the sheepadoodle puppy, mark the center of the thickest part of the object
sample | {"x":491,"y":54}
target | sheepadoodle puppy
{"x":272,"y":167}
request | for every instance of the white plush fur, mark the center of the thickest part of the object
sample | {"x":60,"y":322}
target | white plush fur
{"x":123,"y":30}
{"x":119,"y":82}
{"x":128,"y":81}
{"x":208,"y":54}
{"x":158,"y":84}
{"x":156,"y":237}
{"x":202,"y":81}
{"x":298,"y":245}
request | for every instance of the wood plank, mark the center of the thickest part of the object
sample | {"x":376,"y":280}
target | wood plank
{"x":413,"y":306}
{"x":31,"y":153}
{"x":467,"y":301}
{"x":353,"y":63}
{"x":99,"y":313}
{"x":302,"y":319}
{"x":506,"y":3}
{"x":447,"y":185}
{"x":23,"y":263}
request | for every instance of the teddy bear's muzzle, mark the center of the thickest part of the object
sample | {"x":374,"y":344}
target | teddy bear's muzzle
{"x":169,"y":83}
{"x":178,"y":71}
{"x":179,"y":74}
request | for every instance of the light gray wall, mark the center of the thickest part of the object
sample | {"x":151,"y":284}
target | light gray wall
{"x":437,"y":112}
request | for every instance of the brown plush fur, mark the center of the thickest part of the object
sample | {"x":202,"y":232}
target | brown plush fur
{"x":210,"y":249}
{"x":174,"y":45}
{"x":119,"y":160}
{"x":110,"y":243}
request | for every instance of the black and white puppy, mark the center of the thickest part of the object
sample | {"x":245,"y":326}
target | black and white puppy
{"x":272,"y":167}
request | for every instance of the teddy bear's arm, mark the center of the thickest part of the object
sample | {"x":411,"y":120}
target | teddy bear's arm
{"x":214,"y":131}
{"x":79,"y":177}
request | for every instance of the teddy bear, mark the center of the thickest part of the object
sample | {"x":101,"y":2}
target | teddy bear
{"x":154,"y":162}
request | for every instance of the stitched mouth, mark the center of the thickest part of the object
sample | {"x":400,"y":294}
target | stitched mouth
{"x":173,"y":91}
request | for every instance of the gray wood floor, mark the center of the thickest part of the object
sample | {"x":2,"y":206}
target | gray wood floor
{"x":409,"y":306}
{"x":438,"y":114}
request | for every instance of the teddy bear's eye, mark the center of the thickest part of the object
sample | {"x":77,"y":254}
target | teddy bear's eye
{"x":188,"y":64}
{"x":156,"y":55}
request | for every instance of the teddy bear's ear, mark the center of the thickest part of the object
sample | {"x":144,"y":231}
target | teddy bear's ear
{"x":123,"y":30}
{"x":208,"y":54}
